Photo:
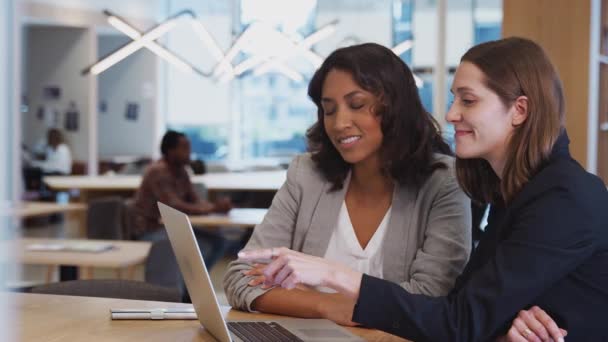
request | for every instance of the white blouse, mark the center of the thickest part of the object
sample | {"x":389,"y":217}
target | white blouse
{"x":57,"y":160}
{"x":345,"y":248}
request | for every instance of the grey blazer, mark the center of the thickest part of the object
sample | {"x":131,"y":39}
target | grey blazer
{"x":426,"y":245}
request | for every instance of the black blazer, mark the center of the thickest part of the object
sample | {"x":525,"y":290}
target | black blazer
{"x":549,"y":247}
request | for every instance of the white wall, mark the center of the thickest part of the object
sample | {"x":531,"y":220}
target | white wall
{"x":55,"y":57}
{"x":133,"y":79}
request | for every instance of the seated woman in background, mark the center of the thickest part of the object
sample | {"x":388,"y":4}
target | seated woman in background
{"x":54,"y":157}
{"x":546,"y":242}
{"x":377,"y":192}
{"x":51,"y":157}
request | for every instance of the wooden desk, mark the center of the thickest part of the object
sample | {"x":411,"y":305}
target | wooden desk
{"x":100,"y":183}
{"x":30,"y":209}
{"x":237,"y":217}
{"x":94,"y":186}
{"x":69,"y":318}
{"x":125,"y":255}
{"x":75,"y":213}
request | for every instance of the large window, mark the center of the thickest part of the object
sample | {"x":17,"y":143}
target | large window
{"x":209,"y":141}
{"x":468,"y":22}
{"x":403,"y":11}
{"x":274,"y":108}
{"x":264,"y":111}
{"x":487,"y":20}
{"x":200,"y":106}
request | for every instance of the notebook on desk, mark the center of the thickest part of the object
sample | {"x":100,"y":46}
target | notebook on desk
{"x":82,"y":247}
{"x":157,"y":313}
{"x":205,"y":302}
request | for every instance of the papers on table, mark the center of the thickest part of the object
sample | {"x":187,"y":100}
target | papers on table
{"x":84,"y":247}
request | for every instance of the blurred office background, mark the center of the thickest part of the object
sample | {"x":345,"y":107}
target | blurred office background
{"x":233,"y":76}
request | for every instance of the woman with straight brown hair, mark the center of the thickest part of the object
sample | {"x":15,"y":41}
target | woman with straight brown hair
{"x":546,"y":243}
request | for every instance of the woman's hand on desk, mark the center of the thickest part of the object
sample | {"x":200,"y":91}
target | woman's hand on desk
{"x":289,"y":268}
{"x":534,"y":325}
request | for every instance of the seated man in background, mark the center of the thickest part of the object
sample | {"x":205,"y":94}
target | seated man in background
{"x":167,"y":181}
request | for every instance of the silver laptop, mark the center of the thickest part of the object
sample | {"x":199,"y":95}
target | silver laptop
{"x":207,"y":307}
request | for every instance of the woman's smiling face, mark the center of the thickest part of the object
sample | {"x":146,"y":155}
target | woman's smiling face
{"x":482,"y":123}
{"x":349,"y":118}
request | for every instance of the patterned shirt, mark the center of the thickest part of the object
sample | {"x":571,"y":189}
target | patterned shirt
{"x":160,"y":183}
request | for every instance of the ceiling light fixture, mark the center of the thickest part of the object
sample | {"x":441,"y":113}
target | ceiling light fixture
{"x":156,"y":48}
{"x":303,"y":47}
{"x":224,"y":70}
{"x":147,"y":40}
{"x":130,"y":47}
{"x":207,"y":39}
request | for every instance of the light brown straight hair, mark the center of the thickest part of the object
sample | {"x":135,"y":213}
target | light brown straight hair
{"x":515,"y":67}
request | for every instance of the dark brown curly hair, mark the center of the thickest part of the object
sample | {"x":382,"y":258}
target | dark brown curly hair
{"x":410,"y":134}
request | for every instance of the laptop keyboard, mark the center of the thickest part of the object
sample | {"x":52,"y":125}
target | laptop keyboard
{"x":261,"y":331}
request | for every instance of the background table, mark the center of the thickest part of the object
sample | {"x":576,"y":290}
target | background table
{"x":74,"y":212}
{"x":32,"y":208}
{"x":124,"y":255}
{"x":93,"y":186}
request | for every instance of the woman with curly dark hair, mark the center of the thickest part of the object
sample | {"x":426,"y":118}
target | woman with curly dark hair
{"x":377,"y":191}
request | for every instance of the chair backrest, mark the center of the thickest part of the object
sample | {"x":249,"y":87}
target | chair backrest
{"x":128,"y":229}
{"x":198,"y":167}
{"x":79,"y":167}
{"x":162,"y":268}
{"x":105,"y":218}
{"x":111,"y":288}
{"x":201,"y":190}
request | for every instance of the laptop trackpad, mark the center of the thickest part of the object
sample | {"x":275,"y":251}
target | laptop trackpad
{"x":318,"y":330}
{"x":322,"y":333}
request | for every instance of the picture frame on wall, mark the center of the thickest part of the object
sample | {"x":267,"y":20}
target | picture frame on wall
{"x":132,"y":111}
{"x":72,"y":117}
